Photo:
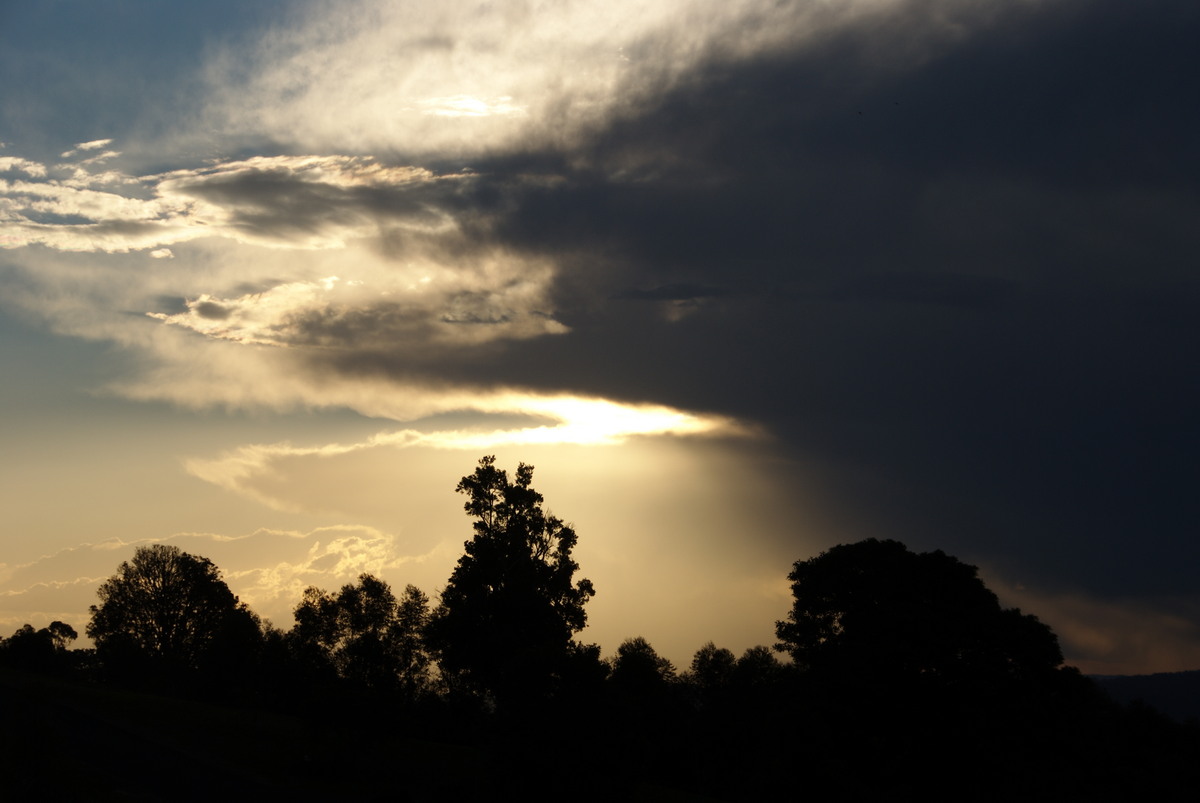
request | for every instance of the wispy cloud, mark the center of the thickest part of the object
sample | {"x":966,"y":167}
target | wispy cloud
{"x":95,"y":144}
{"x":334,"y":314}
{"x":268,"y":569}
{"x":306,"y":202}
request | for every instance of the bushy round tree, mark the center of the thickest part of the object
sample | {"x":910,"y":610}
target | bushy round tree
{"x":876,"y":608}
{"x":169,"y":609}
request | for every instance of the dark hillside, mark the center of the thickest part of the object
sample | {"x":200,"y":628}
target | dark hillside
{"x":1176,"y":694}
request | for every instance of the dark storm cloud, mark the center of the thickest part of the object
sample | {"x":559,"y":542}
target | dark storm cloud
{"x":673,"y":292}
{"x":950,"y":289}
{"x":958,"y":273}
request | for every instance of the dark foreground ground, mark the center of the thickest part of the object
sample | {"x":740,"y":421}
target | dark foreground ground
{"x":74,"y":740}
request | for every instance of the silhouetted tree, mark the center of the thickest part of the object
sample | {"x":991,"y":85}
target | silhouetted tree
{"x":367,"y":636}
{"x":41,"y":650}
{"x":413,"y":662}
{"x":905,"y":656}
{"x":637,"y":667}
{"x":875,"y":607}
{"x":758,"y":667}
{"x":511,"y":607}
{"x":168,"y":609}
{"x":713,"y":666}
{"x":646,"y":712}
{"x":61,"y":634}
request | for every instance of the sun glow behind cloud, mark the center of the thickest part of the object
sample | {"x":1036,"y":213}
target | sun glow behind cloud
{"x":464,"y":78}
{"x":431,"y":298}
{"x":572,"y":421}
{"x":468,"y":106}
{"x":591,"y":421}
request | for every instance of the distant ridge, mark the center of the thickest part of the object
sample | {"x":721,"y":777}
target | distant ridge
{"x":1176,"y":694}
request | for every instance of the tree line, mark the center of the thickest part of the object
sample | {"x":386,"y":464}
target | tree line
{"x":904,"y":673}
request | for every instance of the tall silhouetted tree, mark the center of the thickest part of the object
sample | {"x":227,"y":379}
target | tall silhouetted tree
{"x":169,"y":609}
{"x":511,"y":607}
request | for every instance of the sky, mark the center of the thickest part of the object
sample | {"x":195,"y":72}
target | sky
{"x":742,"y":280}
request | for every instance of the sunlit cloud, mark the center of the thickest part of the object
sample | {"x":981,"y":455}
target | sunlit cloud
{"x":468,"y":106}
{"x":98,"y":158}
{"x":306,"y":202}
{"x":333,"y":556}
{"x":330,"y":313}
{"x":14,"y":164}
{"x":591,"y":421}
{"x":372,"y":75}
{"x":86,"y":146}
{"x":569,"y":421}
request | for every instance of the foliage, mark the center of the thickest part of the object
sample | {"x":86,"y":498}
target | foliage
{"x":511,"y":607}
{"x":874,"y":607}
{"x":170,"y":609}
{"x":366,"y":635}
